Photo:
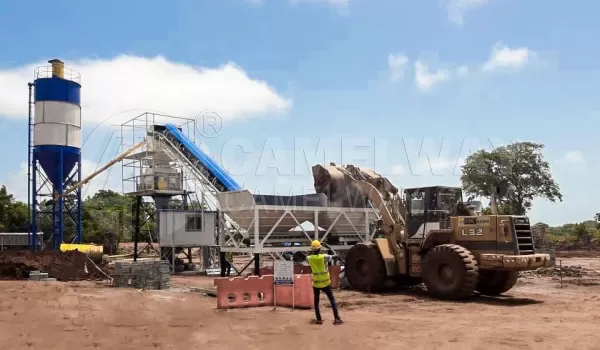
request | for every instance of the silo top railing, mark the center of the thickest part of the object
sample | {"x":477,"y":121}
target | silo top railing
{"x":68,"y":73}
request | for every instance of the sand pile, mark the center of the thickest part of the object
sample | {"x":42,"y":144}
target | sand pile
{"x":64,"y":266}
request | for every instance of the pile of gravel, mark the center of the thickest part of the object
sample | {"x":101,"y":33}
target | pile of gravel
{"x":555,"y":271}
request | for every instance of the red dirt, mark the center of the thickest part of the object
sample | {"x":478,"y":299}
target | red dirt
{"x":64,"y":266}
{"x":582,"y":253}
{"x":536,"y":314}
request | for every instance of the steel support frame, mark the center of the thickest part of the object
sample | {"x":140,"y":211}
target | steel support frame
{"x":133,"y":131}
{"x":191,"y":166}
{"x":261,"y":246}
{"x":140,"y":128}
{"x":138,"y":225}
{"x":208,"y":190}
{"x":42,"y":190}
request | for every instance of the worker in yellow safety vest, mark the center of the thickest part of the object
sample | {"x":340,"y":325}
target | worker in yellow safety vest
{"x":321,"y":280}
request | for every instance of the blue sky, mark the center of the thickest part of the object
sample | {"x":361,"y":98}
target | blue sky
{"x":353,"y":75}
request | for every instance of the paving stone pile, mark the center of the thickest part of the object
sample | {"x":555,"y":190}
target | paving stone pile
{"x":142,"y":274}
{"x":40,"y":276}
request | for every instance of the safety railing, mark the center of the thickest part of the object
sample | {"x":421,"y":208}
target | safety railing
{"x":67,"y":73}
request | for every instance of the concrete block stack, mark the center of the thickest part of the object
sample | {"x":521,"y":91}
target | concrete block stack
{"x":40,"y":276}
{"x":122,"y":274}
{"x":164,"y":270}
{"x":143,"y":274}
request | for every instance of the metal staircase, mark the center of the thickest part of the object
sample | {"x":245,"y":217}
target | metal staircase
{"x":177,"y":152}
{"x":524,"y":236}
{"x":207,"y":182}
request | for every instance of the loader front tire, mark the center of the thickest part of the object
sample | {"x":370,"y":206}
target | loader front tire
{"x":450,"y":272}
{"x":496,"y":282}
{"x":365,"y":268}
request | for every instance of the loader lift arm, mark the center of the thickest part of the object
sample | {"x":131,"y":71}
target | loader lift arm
{"x":340,"y":183}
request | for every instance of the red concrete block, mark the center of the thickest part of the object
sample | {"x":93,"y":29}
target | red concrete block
{"x":255,"y":291}
{"x":299,"y":296}
{"x":252,"y":291}
{"x":298,"y":270}
{"x":334,"y":273}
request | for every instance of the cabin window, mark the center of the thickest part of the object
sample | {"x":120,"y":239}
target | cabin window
{"x":417,"y":203}
{"x":193,"y":222}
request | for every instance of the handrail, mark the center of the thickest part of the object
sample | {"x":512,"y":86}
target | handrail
{"x":46,"y":72}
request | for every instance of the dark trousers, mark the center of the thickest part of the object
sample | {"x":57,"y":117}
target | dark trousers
{"x":327,"y":290}
{"x":225,"y":266}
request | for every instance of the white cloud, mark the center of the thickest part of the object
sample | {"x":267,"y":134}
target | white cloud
{"x":503,"y":57}
{"x":16,"y":183}
{"x":425,"y":79}
{"x":397,"y":64}
{"x":572,"y":158}
{"x":458,"y":8}
{"x":125,"y":83}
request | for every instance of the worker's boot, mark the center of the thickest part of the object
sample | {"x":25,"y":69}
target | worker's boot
{"x":316,"y":321}
{"x":337,"y":321}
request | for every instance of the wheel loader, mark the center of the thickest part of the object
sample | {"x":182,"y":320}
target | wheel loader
{"x":430,"y":236}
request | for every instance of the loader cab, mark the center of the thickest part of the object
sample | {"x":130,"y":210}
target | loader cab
{"x":430,"y":208}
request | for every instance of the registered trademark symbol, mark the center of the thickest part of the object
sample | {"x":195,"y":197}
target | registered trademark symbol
{"x":209,"y":124}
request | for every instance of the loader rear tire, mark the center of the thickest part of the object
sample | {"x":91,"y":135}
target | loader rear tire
{"x":365,"y":268}
{"x":496,"y":282}
{"x":450,"y":272}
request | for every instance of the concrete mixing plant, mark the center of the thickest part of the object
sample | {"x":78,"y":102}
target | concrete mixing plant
{"x":55,"y":153}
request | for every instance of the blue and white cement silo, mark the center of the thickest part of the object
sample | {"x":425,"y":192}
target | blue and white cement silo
{"x":56,"y":150}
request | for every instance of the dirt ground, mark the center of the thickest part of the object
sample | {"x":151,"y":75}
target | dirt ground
{"x":537,"y":314}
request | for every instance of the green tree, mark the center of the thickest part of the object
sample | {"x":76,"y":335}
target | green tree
{"x":13,"y":214}
{"x":503,"y":209}
{"x":519,"y":168}
{"x":6,"y":200}
{"x":580,"y":230}
{"x":582,"y":233}
{"x":16,"y":217}
{"x":107,"y":212}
